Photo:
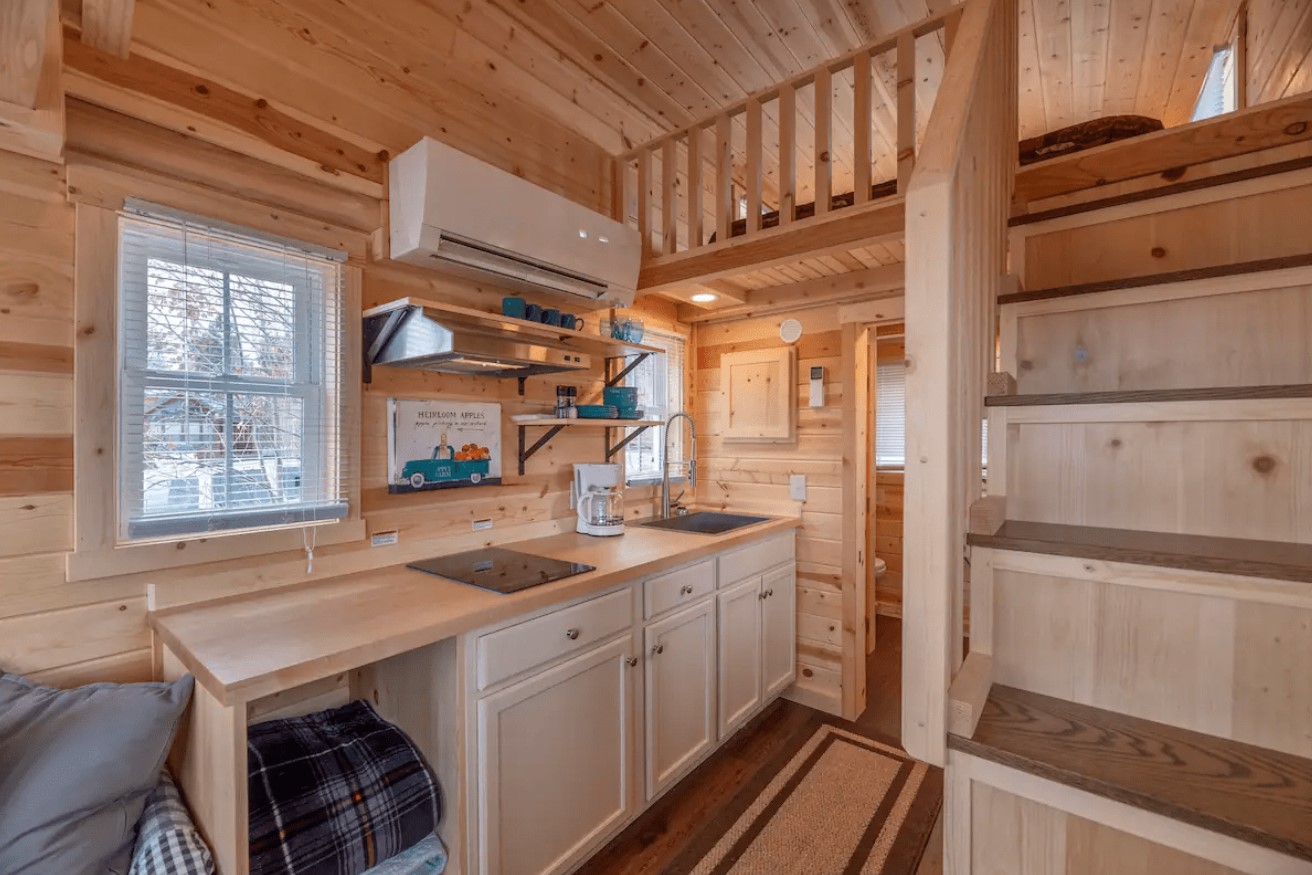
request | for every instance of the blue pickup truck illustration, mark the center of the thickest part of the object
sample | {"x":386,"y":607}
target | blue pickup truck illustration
{"x":470,"y":463}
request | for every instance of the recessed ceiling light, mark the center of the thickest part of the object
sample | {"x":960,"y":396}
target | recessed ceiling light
{"x":703,"y":298}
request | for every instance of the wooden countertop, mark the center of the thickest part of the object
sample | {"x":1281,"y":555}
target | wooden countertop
{"x":249,"y":647}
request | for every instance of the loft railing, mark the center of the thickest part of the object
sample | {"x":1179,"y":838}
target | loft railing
{"x":957,"y":206}
{"x":713,"y":191}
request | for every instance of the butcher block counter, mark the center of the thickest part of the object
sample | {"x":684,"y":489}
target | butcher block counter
{"x":255,"y":646}
{"x":448,"y":662}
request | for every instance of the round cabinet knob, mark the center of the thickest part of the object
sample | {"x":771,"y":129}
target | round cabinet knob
{"x":685,"y":590}
{"x":631,"y":661}
{"x":769,"y":592}
{"x":572,"y":634}
{"x":659,"y":648}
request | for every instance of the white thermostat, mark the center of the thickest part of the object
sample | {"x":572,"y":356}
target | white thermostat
{"x":790,"y":331}
{"x":817,"y":387}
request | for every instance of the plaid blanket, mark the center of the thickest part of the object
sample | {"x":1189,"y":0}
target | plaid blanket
{"x":167,"y":842}
{"x":335,"y":793}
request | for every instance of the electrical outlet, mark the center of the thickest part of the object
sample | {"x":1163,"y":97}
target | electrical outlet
{"x":482,"y":525}
{"x":384,"y":539}
{"x":797,"y":487}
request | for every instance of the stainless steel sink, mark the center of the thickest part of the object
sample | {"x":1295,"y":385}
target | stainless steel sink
{"x":707,"y":522}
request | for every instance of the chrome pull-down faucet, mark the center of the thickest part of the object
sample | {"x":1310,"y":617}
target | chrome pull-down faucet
{"x":665,"y":455}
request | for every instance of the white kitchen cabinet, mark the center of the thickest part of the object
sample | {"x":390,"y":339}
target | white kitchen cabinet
{"x":555,"y":762}
{"x":680,"y":693}
{"x":778,"y":629}
{"x":740,"y":660}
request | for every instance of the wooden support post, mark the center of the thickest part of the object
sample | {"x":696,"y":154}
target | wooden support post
{"x":968,"y":693}
{"x":988,"y":514}
{"x":694,"y":187}
{"x":669,"y":196}
{"x":824,"y":140}
{"x":861,"y":122}
{"x":906,"y":110}
{"x":644,"y":200}
{"x":619,"y":203}
{"x":724,"y":206}
{"x":856,"y":474}
{"x":755,"y":158}
{"x":787,"y":153}
{"x":1002,"y":383}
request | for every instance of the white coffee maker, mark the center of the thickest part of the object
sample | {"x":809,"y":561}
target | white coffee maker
{"x":597,"y":495}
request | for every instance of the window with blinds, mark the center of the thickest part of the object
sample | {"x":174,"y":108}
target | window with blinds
{"x":230,"y":388}
{"x":891,"y":417}
{"x":890,"y":414}
{"x":659,"y":380}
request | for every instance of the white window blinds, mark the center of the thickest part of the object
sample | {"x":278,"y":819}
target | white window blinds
{"x":890,"y":414}
{"x":231,"y":381}
{"x":659,"y":380}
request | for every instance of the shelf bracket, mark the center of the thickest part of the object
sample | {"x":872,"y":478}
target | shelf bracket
{"x":628,"y":439}
{"x":618,"y":378}
{"x":526,"y":454}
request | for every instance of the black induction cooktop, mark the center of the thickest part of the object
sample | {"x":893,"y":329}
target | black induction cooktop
{"x":498,"y":570}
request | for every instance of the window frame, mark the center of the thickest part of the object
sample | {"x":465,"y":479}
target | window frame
{"x":98,"y":550}
{"x":658,"y":432}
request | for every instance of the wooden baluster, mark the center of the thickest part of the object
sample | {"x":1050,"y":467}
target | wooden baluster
{"x":906,"y":109}
{"x":723,"y":178}
{"x":861,"y":122}
{"x":753,"y":179}
{"x":787,"y":153}
{"x":694,"y":187}
{"x":644,"y":200}
{"x":950,"y":23}
{"x":669,"y":192}
{"x":824,"y":140}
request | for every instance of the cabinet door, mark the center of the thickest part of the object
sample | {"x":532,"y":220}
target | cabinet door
{"x":758,"y":394}
{"x":779,"y":634}
{"x":555,"y":763}
{"x":680,"y":693}
{"x":740,"y":653}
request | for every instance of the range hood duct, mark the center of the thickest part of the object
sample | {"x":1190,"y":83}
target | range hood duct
{"x":411,"y":336}
{"x":451,"y":212}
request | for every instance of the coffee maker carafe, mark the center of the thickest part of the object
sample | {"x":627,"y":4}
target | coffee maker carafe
{"x":598,"y":496}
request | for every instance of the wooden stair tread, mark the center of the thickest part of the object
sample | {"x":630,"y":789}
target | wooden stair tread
{"x":1162,"y":191}
{"x":1157,"y":279}
{"x":1238,"y":556}
{"x":1259,"y":796}
{"x":1139,"y":396}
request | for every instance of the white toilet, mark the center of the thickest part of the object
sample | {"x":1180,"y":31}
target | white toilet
{"x":880,"y":567}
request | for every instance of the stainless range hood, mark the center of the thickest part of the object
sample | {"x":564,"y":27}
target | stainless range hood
{"x":419,"y":334}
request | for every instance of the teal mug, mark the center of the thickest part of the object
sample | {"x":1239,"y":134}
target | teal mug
{"x":572,"y":322}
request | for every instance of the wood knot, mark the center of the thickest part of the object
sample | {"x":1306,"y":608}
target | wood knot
{"x":1173,"y":174}
{"x":1264,"y":464}
{"x":1115,"y":443}
{"x":824,"y":156}
{"x":181,"y":545}
{"x":1158,"y":252}
{"x":22,"y":290}
{"x":1296,"y":129}
{"x":261,"y":103}
{"x":808,"y":673}
{"x":1026,"y":365}
{"x":88,"y":331}
{"x":202,"y":90}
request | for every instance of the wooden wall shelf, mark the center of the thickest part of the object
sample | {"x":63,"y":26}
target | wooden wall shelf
{"x":554,"y":427}
{"x":1246,"y":558}
{"x":1250,"y":793}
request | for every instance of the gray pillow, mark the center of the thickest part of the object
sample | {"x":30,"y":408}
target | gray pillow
{"x":76,"y":767}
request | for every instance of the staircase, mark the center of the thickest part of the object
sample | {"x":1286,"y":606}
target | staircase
{"x":1138,"y":696}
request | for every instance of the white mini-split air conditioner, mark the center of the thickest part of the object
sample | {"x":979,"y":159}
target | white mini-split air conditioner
{"x":451,"y":211}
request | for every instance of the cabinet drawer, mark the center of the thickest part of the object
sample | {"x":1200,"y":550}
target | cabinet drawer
{"x":516,"y":649}
{"x":755,"y":558}
{"x":682,"y":587}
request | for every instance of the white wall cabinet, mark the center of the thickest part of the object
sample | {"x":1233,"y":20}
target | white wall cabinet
{"x":681,"y":693}
{"x":554,"y":758}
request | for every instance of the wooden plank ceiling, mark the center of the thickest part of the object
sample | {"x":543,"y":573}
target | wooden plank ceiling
{"x":552,"y":88}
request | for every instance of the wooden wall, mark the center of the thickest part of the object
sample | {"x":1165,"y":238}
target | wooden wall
{"x":746,"y":476}
{"x":243,"y":159}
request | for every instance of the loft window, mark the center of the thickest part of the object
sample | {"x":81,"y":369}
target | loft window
{"x":230,"y":399}
{"x":1220,"y":91}
{"x":659,"y":380}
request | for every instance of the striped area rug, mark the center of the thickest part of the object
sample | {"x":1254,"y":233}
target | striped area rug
{"x":843,"y":804}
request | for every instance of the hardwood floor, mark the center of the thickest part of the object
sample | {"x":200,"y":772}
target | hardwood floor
{"x":656,"y":838}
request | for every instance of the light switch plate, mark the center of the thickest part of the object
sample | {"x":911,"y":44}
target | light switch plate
{"x":797,"y":487}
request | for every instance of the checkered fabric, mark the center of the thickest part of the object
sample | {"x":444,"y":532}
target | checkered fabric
{"x":335,"y":793}
{"x":167,"y":842}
